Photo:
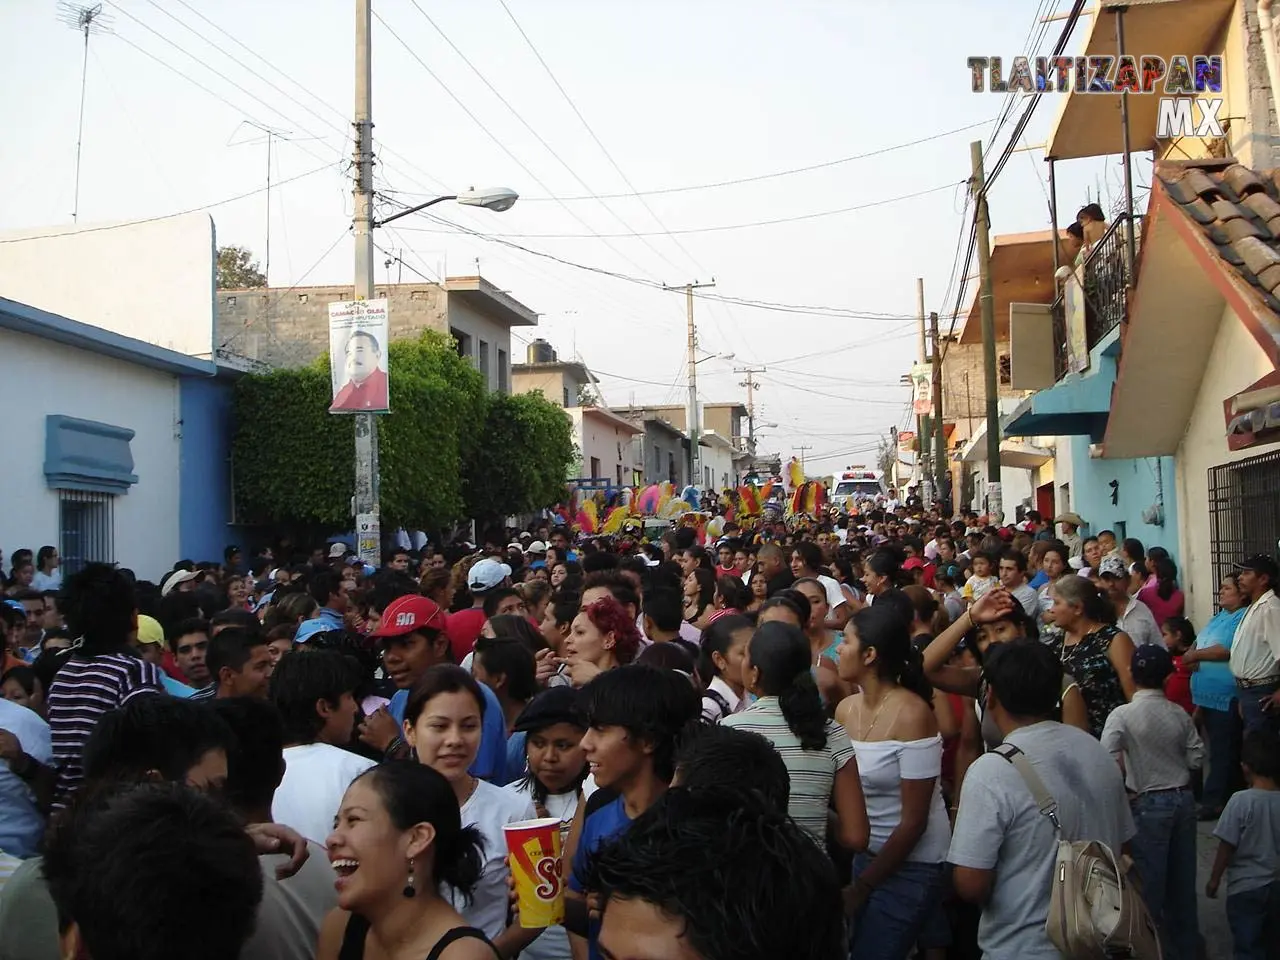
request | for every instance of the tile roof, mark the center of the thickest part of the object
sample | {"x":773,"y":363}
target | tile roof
{"x":1238,"y":210}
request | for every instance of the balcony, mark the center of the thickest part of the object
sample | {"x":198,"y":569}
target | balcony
{"x":1097,"y":306}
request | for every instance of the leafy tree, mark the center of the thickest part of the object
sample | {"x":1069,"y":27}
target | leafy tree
{"x":294,"y":460}
{"x":523,"y":458}
{"x":886,"y":455}
{"x":587,"y":397}
{"x":237,"y":270}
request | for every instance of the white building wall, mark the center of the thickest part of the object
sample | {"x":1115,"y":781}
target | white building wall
{"x":1235,"y":363}
{"x":717,"y":463}
{"x":150,"y":281}
{"x":496,"y":335}
{"x":43,"y":378}
{"x":597,"y":437}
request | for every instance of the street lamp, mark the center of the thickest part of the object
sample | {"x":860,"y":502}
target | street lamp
{"x":717,"y":356}
{"x":497,"y":199}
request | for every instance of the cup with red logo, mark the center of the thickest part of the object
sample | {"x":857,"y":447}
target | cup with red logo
{"x":533,"y":848}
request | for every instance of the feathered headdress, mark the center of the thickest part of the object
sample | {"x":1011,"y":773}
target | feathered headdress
{"x":648,"y":500}
{"x":795,"y":473}
{"x":587,"y":520}
{"x":749,"y":502}
{"x":809,"y":499}
{"x":614,"y":520}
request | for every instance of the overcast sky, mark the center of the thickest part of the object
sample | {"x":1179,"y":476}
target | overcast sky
{"x":680,"y":95}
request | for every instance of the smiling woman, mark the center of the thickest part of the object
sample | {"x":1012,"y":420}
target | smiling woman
{"x":397,"y":836}
{"x":443,"y":722}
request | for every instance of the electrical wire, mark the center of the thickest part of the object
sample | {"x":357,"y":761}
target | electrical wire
{"x":494,"y":137}
{"x":667,"y":191}
{"x":179,"y":213}
{"x":719,"y":228}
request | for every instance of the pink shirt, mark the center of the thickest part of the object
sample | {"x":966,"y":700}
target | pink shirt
{"x":1161,"y":608}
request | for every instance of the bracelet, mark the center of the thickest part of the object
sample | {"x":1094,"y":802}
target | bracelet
{"x":392,"y":747}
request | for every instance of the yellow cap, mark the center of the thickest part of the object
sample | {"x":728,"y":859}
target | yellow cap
{"x":149,"y":630}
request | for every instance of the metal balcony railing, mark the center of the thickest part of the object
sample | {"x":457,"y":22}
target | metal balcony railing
{"x":1106,"y":286}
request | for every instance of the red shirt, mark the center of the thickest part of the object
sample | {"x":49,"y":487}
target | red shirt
{"x":728,"y":572}
{"x":1177,"y":687}
{"x":462,"y":629}
{"x":371,"y":394}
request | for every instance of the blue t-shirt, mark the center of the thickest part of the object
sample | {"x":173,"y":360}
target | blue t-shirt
{"x":174,"y":688}
{"x":517,"y":763}
{"x":1039,"y":580}
{"x":491,"y":760}
{"x":1213,"y":685}
{"x":601,"y":825}
{"x":21,"y":824}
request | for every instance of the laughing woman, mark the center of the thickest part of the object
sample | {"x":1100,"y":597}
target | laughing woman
{"x":442,"y":722}
{"x":397,"y":836}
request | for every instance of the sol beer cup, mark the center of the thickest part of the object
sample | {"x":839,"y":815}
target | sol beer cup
{"x":534,"y":854}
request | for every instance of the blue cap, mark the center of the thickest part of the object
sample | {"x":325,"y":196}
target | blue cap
{"x":309,"y":628}
{"x":17,"y":605}
{"x":1151,"y":664}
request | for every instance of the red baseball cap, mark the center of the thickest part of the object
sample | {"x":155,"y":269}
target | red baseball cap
{"x":410,"y":613}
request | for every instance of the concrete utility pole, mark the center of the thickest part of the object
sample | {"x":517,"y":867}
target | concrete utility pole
{"x":368,"y":525}
{"x":995,"y":502}
{"x":801,"y":451}
{"x":941,"y":467}
{"x":922,"y":420}
{"x":752,"y":386}
{"x":695,"y":478}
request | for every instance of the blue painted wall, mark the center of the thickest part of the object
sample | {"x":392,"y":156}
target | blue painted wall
{"x":1091,"y":495}
{"x":204,"y":502}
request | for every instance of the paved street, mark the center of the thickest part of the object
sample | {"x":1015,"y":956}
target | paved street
{"x":1213,"y":916}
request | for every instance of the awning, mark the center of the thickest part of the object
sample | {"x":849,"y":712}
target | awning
{"x":1074,"y":406}
{"x":1021,"y":268}
{"x":1013,"y":454}
{"x":88,"y":456}
{"x":1088,"y":124}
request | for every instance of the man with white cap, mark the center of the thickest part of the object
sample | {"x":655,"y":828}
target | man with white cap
{"x":181,"y":580}
{"x":1132,"y":615}
{"x":464,"y":626}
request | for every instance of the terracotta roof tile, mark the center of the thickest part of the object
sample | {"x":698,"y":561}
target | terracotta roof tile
{"x":1238,"y":210}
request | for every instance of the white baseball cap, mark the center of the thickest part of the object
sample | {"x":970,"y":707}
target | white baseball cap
{"x":487,"y":574}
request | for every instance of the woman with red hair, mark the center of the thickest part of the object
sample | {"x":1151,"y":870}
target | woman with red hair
{"x":602,"y":637}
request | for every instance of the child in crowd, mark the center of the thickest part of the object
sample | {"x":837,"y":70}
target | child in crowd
{"x":952,"y":598}
{"x":1249,"y":849}
{"x":982,"y":578}
{"x":1179,"y":637}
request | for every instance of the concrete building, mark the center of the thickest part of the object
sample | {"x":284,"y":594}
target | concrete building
{"x":722,"y":436}
{"x":720,"y":461}
{"x":606,"y":443}
{"x":116,"y":450}
{"x":560,"y":381}
{"x":725,"y":419}
{"x":662,"y":450}
{"x":1157,"y":382}
{"x":290,"y":327}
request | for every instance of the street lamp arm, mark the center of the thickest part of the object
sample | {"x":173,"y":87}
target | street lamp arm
{"x":419,"y":207}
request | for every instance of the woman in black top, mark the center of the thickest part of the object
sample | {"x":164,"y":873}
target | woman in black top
{"x":397,"y":836}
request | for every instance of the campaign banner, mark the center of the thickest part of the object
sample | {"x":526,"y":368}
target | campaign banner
{"x":358,"y":336}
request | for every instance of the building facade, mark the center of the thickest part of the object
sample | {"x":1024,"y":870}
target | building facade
{"x":126,"y":461}
{"x":290,"y":327}
{"x":607,"y":448}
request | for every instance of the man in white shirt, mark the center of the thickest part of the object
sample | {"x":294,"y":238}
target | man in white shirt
{"x":1003,"y":848}
{"x":314,"y":693}
{"x":26,"y":758}
{"x":1132,"y":615}
{"x":1255,"y":651}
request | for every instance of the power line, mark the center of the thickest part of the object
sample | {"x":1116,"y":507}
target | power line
{"x":492,"y":136}
{"x":667,"y":191}
{"x":179,"y":213}
{"x":719,"y":228}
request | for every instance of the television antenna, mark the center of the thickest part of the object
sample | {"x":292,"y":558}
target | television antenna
{"x":87,"y":20}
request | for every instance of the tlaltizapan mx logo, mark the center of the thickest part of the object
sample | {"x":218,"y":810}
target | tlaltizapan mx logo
{"x":1184,"y":84}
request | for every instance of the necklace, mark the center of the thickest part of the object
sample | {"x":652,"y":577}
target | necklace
{"x":875,"y":718}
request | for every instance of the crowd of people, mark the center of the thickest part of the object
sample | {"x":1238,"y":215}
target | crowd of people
{"x":798,"y":740}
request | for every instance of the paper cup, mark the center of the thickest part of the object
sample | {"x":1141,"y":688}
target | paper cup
{"x":534,"y":849}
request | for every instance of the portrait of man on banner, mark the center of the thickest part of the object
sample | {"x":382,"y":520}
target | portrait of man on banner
{"x":358,"y":357}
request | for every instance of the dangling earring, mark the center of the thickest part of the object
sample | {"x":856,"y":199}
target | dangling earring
{"x":409,"y":890}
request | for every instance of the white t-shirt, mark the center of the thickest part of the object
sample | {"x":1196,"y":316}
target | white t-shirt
{"x":316,"y":775}
{"x":553,"y":942}
{"x":882,"y":766}
{"x":488,"y":809}
{"x":293,"y":909}
{"x":835,"y":596}
{"x":21,"y":823}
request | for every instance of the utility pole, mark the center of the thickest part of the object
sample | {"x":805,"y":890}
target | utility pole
{"x":922,"y":420}
{"x":941,"y":467}
{"x":995,"y":502}
{"x":801,"y":451}
{"x":752,"y":386}
{"x":694,"y":427}
{"x":368,"y":524}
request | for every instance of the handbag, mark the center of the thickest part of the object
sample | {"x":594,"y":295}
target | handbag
{"x":1096,"y":910}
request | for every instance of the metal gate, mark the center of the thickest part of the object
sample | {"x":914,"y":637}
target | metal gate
{"x":87,"y":522}
{"x":1244,"y":511}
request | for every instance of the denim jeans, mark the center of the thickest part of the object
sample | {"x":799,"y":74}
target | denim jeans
{"x":1222,"y":730}
{"x":1164,"y":851}
{"x":1254,"y":917}
{"x":893,"y":918}
{"x":1255,"y":718}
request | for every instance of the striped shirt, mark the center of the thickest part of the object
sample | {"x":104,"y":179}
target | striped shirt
{"x":812,"y":772}
{"x":84,"y":690}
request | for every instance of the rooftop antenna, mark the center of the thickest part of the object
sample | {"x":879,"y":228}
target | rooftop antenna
{"x":87,"y":20}
{"x":272,"y":133}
